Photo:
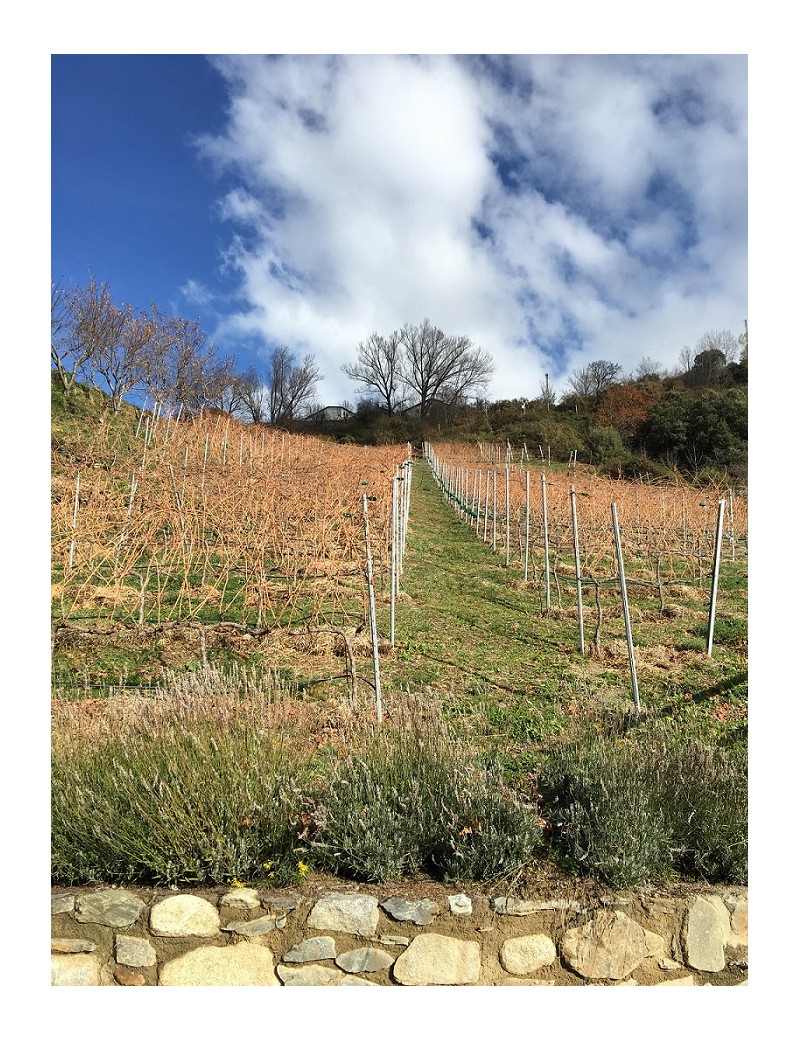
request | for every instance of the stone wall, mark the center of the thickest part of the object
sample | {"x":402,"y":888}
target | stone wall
{"x":367,"y":935}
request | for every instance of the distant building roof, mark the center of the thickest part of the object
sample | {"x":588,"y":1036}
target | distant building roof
{"x":435,"y":406}
{"x":331,"y":412}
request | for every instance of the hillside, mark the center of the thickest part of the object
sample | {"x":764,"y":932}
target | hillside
{"x":212,"y":630}
{"x":467,"y":624}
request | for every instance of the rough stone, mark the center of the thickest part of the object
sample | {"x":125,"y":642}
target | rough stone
{"x":64,"y":903}
{"x":74,"y":969}
{"x":460,"y":905}
{"x":655,"y":944}
{"x":438,"y":960}
{"x":523,"y":907}
{"x":724,"y":915}
{"x":71,"y":946}
{"x":241,"y":899}
{"x":511,"y":906}
{"x":364,"y":959}
{"x":127,"y":977}
{"x":283,"y":904}
{"x":343,"y":912}
{"x":309,"y":975}
{"x":705,"y":932}
{"x":259,"y":926}
{"x":738,"y":912}
{"x":133,"y":952}
{"x":711,"y":928}
{"x":319,"y":948}
{"x":527,"y":953}
{"x":610,"y":946}
{"x":661,"y":906}
{"x":185,"y":915}
{"x":243,"y":964}
{"x":112,"y":906}
{"x":419,"y":911}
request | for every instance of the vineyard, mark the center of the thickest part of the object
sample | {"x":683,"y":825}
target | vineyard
{"x":179,"y":543}
{"x":212,"y":521}
{"x":570,"y":530}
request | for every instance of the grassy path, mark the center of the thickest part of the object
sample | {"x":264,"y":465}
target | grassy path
{"x":468,"y":627}
{"x":473,"y":632}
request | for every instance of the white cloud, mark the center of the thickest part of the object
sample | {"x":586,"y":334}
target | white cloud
{"x":611,"y":193}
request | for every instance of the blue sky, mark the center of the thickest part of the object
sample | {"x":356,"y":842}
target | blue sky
{"x":556,"y":209}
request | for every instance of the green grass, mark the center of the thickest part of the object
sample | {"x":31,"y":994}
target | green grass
{"x":482,"y":640}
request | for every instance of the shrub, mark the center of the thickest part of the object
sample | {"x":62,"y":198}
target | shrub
{"x":199,"y":796}
{"x":605,"y":814}
{"x":639,"y":805}
{"x":409,"y":799}
{"x":707,"y":802}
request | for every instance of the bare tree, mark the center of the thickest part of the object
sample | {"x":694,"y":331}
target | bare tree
{"x":111,"y":340}
{"x":648,"y":369}
{"x":686,"y":358}
{"x":380,"y":369}
{"x":223,"y":387}
{"x":722,"y":340}
{"x":422,"y":361}
{"x":69,"y":352}
{"x":290,"y":387}
{"x":182,"y":367}
{"x":596,"y":377}
{"x":440,"y":367}
{"x":254,"y":396}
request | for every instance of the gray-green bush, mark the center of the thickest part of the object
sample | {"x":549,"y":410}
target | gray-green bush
{"x":646,"y":804}
{"x":411,"y":799}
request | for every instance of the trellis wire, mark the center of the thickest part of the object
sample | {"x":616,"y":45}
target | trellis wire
{"x":508,"y":516}
{"x":527,"y":519}
{"x":697,"y":545}
{"x":486,"y":511}
{"x":406,"y":509}
{"x":395,"y":537}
